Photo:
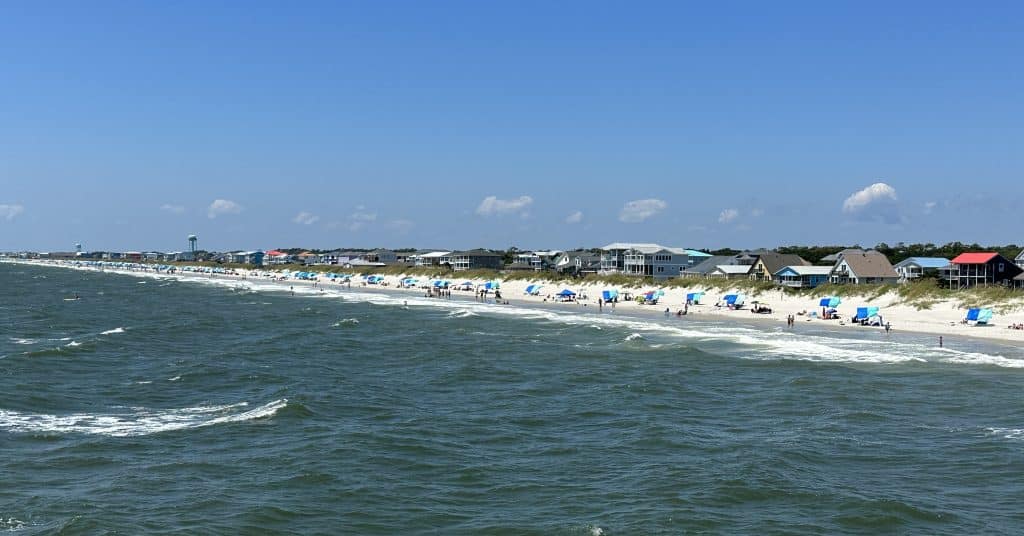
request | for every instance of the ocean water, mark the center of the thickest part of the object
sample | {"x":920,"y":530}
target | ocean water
{"x":160,"y":406}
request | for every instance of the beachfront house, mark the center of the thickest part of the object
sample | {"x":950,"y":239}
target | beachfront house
{"x":831,"y":260}
{"x":527,"y":261}
{"x":276,"y":257}
{"x":767,"y":263}
{"x":613,"y":256}
{"x":580,"y":261}
{"x":981,"y":268}
{"x":802,"y":276}
{"x":915,"y":267}
{"x":475,"y":259}
{"x":705,"y":267}
{"x":1018,"y":282}
{"x":431,"y":258}
{"x":383,"y":256}
{"x":731,"y":271}
{"x":863,"y":268}
{"x":657,"y":262}
{"x":254,"y":258}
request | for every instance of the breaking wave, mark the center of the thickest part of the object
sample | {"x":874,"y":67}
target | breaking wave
{"x":139,"y":422}
{"x":112,"y":331}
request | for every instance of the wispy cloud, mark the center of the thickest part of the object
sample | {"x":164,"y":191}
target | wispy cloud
{"x":492,"y":206}
{"x":574,"y":218}
{"x":305,"y":218}
{"x":728,"y":215}
{"x":173,"y":209}
{"x":221,"y":207}
{"x":929,"y":207}
{"x":360,"y":218}
{"x":9,"y":212}
{"x":756,"y":213}
{"x":877,"y":202}
{"x":641,"y":209}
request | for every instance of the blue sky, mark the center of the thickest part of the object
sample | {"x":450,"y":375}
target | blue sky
{"x":129,"y":125}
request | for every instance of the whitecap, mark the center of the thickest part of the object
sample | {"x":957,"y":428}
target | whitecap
{"x":633,"y":337}
{"x":139,"y":422}
{"x":112,"y":331}
{"x":174,"y":379}
{"x":23,"y":341}
{"x":346,"y":322}
{"x":461,"y":313}
{"x":73,"y":344}
{"x":1007,"y":433}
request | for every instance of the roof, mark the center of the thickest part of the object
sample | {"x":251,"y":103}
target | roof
{"x":695,"y":253}
{"x":839,"y":254}
{"x":632,"y":245}
{"x":774,"y":262}
{"x":974,"y":258}
{"x":869,"y":264}
{"x":733,"y":269}
{"x":1020,"y":277}
{"x":1020,"y":256}
{"x":925,"y":262}
{"x":274,"y":252}
{"x":476,"y":253}
{"x":435,"y":254}
{"x":802,"y":270}
{"x":709,"y":264}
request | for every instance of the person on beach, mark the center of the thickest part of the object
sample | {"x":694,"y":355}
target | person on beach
{"x":600,"y":305}
{"x":888,"y":327}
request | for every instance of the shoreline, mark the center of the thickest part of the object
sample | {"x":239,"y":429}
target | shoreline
{"x":935,"y":321}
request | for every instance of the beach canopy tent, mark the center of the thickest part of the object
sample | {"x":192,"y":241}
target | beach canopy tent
{"x":979,"y":316}
{"x":863,"y":313}
{"x":566,"y":293}
{"x":609,"y":295}
{"x":830,"y":302}
{"x":735,"y":300}
{"x":440,"y":283}
{"x":491,"y":285}
{"x":533,"y":290}
{"x":695,"y":297}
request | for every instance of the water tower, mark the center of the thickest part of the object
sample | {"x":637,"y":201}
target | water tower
{"x":192,"y":244}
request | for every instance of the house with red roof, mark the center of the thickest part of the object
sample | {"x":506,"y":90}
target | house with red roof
{"x":981,"y":268}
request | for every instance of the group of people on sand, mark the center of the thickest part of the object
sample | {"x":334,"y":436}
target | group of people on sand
{"x":1015,"y":326}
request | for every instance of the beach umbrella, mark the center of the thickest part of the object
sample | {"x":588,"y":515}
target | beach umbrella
{"x":529,"y":289}
{"x":694,"y":297}
{"x":832,"y":301}
{"x":491,"y":285}
{"x":609,"y":295}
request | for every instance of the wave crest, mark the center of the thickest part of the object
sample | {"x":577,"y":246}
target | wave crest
{"x":138,"y":423}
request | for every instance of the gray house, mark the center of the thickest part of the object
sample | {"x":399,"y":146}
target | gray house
{"x":476,"y":259}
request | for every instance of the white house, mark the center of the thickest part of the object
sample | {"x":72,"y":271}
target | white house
{"x":915,"y":267}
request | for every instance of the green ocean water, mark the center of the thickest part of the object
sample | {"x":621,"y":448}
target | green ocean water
{"x":161,"y":406}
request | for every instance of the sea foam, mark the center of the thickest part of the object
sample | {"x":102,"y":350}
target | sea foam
{"x":139,"y":422}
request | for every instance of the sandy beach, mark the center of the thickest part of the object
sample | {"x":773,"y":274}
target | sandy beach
{"x":942,"y":319}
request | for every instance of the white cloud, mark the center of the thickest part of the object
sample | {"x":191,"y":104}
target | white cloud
{"x":9,"y":212}
{"x":575,"y":217}
{"x":728,"y":215}
{"x":641,"y":209}
{"x":305,"y":218}
{"x":173,"y":209}
{"x":877,"y":202}
{"x":877,"y":192}
{"x":222,"y":206}
{"x":491,"y":205}
{"x":929,"y":207}
{"x":358,"y":219}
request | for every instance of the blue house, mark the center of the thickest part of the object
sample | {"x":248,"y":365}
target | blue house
{"x":802,"y":276}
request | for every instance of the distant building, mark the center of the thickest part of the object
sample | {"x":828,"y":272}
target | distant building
{"x":731,"y":271}
{"x":579,"y":262}
{"x":915,"y":267}
{"x":863,"y":268}
{"x":648,"y":260}
{"x":431,"y":258}
{"x":802,"y":276}
{"x":254,"y":258}
{"x":767,"y":263}
{"x":705,"y":267}
{"x":475,"y":259}
{"x":979,"y":269}
{"x":383,"y":256}
{"x":275,"y":257}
